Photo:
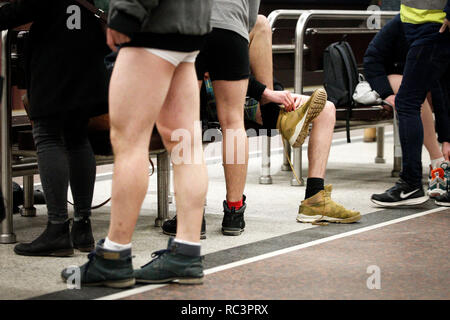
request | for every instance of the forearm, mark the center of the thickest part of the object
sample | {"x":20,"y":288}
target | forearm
{"x":378,"y":79}
{"x":255,"y":89}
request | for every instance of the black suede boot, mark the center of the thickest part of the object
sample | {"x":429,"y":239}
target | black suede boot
{"x":81,"y":235}
{"x":54,"y":241}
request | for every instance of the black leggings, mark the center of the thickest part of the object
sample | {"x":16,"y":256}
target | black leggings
{"x":65,"y":155}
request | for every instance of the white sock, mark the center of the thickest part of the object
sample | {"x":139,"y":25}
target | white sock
{"x":187,"y":242}
{"x":435,"y":163}
{"x":113,"y":246}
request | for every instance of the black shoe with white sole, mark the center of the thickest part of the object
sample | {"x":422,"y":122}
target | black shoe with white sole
{"x":443,"y":200}
{"x":402,"y":194}
{"x":169,"y":227}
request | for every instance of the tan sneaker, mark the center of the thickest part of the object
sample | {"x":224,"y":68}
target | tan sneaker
{"x":294,"y":126}
{"x":320,"y":207}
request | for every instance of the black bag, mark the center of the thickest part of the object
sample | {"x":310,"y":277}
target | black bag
{"x":341,"y":77}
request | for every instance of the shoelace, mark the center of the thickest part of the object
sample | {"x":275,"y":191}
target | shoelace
{"x":156,"y":255}
{"x":91,"y":257}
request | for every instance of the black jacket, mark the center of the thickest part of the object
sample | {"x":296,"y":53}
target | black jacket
{"x":66,"y":73}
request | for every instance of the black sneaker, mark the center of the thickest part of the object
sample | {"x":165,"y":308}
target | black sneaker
{"x":81,"y":235}
{"x":105,"y":267}
{"x":169,"y":227}
{"x":54,"y":241}
{"x":233,"y":223}
{"x":179,"y":263}
{"x":402,"y":194}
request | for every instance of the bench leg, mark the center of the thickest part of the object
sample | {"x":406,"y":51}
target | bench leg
{"x":397,"y":150}
{"x":163,"y":188}
{"x":265,"y":177}
{"x":7,"y":230}
{"x":380,"y":146}
{"x":297,"y":164}
{"x":28,"y":209}
{"x":285,"y":166}
{"x":7,"y":235}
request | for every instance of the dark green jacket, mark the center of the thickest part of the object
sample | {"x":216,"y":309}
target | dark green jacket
{"x":185,"y":17}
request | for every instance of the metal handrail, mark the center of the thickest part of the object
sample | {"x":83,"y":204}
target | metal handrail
{"x":324,"y":14}
{"x":284,"y":14}
{"x":7,"y":235}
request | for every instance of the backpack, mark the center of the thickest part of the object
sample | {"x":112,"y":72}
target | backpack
{"x":341,"y":77}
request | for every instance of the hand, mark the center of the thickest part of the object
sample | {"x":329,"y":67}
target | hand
{"x":445,"y":25}
{"x":115,"y":38}
{"x":280,"y":97}
{"x":446,"y":150}
{"x":297,"y":100}
{"x":391,"y":100}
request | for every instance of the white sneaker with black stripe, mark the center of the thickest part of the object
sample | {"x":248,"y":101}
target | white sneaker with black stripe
{"x":402,"y":194}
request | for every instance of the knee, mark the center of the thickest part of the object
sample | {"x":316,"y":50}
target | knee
{"x":329,"y":113}
{"x":232,"y":122}
{"x":262,"y":25}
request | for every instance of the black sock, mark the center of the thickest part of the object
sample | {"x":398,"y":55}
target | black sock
{"x":313,"y":186}
{"x":269,"y":114}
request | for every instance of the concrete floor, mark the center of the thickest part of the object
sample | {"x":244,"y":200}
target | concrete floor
{"x":351,"y":170}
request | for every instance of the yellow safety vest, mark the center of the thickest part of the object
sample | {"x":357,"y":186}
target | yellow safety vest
{"x":420,"y":11}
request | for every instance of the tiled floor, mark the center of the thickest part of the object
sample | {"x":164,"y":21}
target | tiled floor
{"x":336,"y":269}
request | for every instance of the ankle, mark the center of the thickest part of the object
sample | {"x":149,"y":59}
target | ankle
{"x":187,"y":248}
{"x":114,"y":246}
{"x":314,"y":186}
{"x":236,"y":204}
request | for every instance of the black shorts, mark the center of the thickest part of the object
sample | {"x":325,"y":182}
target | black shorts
{"x":225,"y":56}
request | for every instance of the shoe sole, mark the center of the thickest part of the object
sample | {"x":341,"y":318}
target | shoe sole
{"x":117,"y":284}
{"x":310,"y":219}
{"x":443,"y":204}
{"x":85,"y":249}
{"x":232,"y":232}
{"x":318,"y":101}
{"x":57,"y":253}
{"x":185,"y":281}
{"x":436,"y":193}
{"x":202,"y":235}
{"x":410,"y":202}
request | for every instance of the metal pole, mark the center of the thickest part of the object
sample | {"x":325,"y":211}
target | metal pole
{"x":380,"y":146}
{"x":265,"y":177}
{"x":163,"y":188}
{"x":28,"y":209}
{"x":285,"y":166}
{"x":397,"y":149}
{"x":7,"y":231}
{"x":297,"y":164}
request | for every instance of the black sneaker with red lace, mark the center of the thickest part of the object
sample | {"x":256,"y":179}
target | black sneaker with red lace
{"x":233,"y":223}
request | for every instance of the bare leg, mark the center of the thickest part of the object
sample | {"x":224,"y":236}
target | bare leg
{"x":137,"y":93}
{"x":261,"y":62}
{"x":181,"y":110}
{"x":230,"y":99}
{"x":320,"y":141}
{"x":429,"y":131}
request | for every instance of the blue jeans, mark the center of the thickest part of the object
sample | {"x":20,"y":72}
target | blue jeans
{"x":427,"y":67}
